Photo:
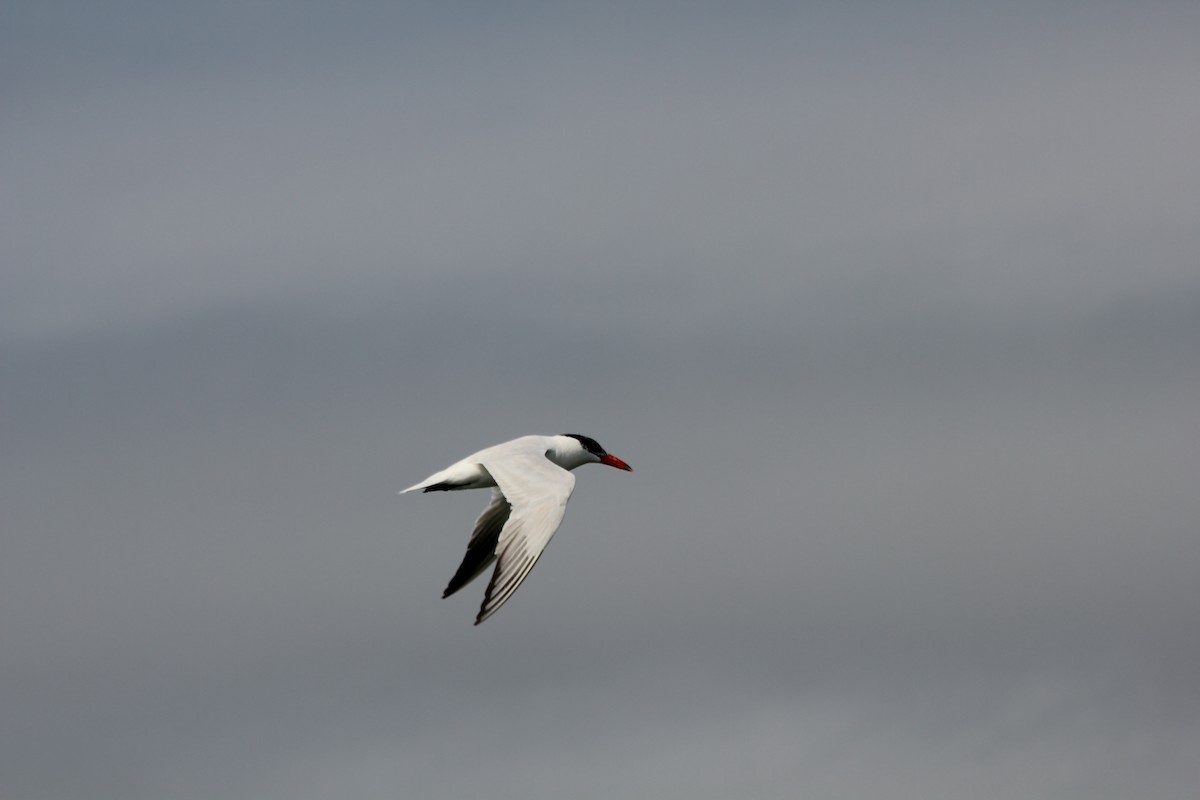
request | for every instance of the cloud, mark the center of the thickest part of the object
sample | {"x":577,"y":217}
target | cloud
{"x":729,"y":161}
{"x":894,"y":312}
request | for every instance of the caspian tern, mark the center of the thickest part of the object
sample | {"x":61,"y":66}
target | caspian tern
{"x":531,"y":485}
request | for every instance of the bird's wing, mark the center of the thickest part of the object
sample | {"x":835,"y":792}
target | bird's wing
{"x":481,"y":550}
{"x":537,"y":491}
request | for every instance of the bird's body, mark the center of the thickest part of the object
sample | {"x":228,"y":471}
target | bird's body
{"x":531,"y":482}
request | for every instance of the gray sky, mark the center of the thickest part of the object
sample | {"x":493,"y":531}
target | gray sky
{"x":894,"y":308}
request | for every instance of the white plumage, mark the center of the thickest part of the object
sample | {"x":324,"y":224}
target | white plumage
{"x":531,"y":484}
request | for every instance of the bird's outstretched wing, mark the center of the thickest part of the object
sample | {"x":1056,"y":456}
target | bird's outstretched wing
{"x":481,"y":550}
{"x":536,"y":491}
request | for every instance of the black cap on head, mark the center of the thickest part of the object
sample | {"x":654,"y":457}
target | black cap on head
{"x":589,"y":444}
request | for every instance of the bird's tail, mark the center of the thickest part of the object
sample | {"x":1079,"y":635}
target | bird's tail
{"x":437,"y":482}
{"x":455,"y":477}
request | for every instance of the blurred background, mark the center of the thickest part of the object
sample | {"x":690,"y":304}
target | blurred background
{"x":893,"y":307}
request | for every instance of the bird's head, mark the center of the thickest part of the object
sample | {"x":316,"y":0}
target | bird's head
{"x":592,"y":453}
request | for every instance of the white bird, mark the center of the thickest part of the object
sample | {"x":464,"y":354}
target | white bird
{"x":531,"y":485}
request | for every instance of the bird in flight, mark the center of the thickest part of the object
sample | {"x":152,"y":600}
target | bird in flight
{"x":531,"y":483}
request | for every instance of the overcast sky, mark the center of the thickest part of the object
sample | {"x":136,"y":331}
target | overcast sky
{"x":893,"y":307}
